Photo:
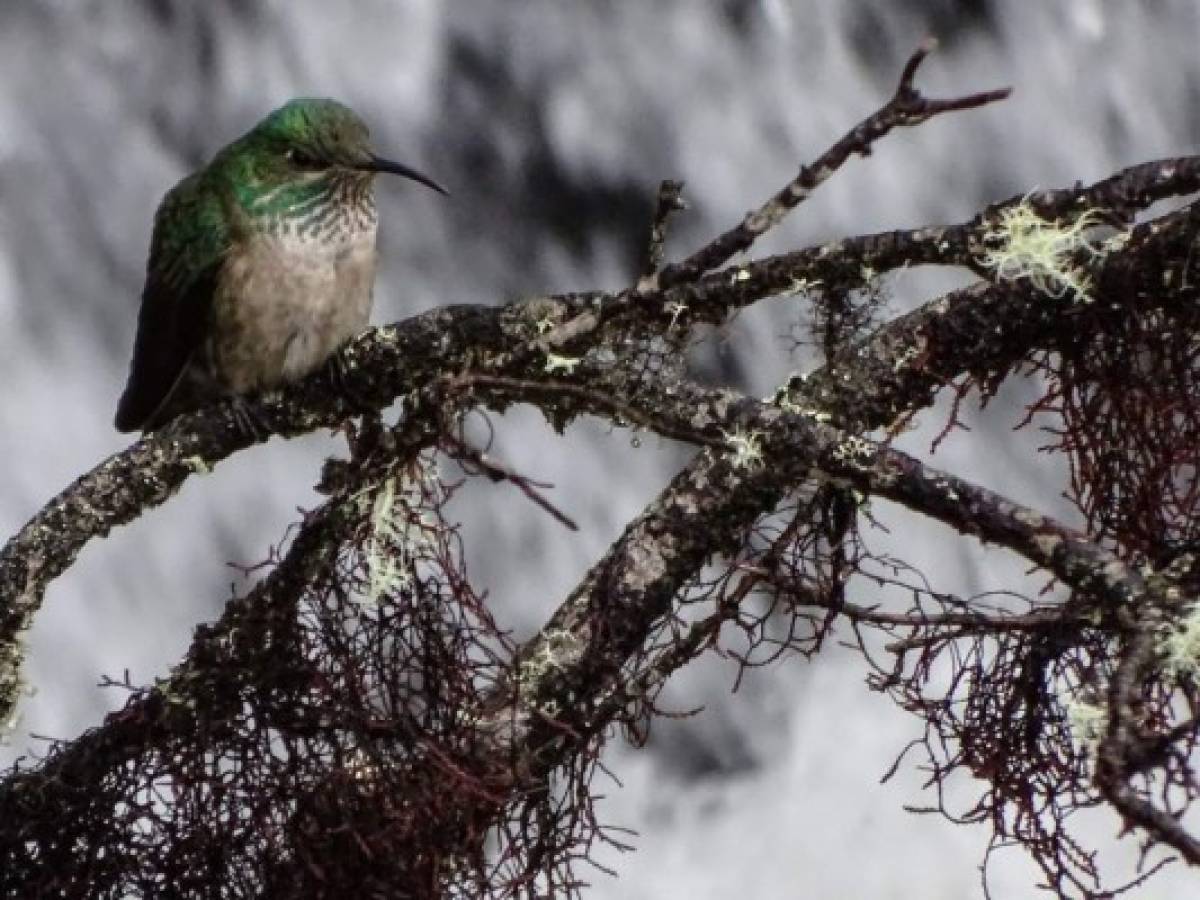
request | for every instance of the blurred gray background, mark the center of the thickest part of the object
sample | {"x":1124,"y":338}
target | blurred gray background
{"x":552,"y":124}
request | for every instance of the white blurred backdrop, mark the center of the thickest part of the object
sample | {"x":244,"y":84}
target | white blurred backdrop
{"x":552,"y":124}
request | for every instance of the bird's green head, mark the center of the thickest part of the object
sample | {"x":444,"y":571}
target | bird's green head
{"x":308,"y":145}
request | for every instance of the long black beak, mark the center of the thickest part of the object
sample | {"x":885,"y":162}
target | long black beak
{"x":379,"y":164}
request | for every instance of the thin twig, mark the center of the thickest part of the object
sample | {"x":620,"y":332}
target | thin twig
{"x":497,"y":471}
{"x":804,"y":595}
{"x":906,"y":108}
{"x":668,"y":203}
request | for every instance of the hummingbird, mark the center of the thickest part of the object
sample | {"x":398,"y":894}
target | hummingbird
{"x":261,"y":265}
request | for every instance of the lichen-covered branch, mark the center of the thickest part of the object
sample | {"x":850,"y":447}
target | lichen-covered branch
{"x":358,"y":719}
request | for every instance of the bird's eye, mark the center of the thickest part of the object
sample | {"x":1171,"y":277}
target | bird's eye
{"x":302,"y":159}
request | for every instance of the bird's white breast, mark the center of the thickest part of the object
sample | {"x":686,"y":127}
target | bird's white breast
{"x":287,"y":300}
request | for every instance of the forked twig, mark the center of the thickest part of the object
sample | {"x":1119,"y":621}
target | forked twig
{"x":906,"y":108}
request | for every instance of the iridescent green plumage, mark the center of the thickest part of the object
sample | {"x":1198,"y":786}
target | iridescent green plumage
{"x":261,"y":263}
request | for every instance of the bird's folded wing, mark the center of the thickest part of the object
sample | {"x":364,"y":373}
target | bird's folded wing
{"x":187,"y":250}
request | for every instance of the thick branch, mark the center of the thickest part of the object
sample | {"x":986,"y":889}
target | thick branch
{"x":794,"y":447}
{"x":708,"y":505}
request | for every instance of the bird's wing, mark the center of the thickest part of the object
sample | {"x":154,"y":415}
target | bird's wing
{"x":191,"y":236}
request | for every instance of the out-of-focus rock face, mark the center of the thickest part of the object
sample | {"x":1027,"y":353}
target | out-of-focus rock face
{"x":551,"y":123}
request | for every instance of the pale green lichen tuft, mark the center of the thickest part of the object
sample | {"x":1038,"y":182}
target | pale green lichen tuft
{"x":785,"y":399}
{"x":556,"y":363}
{"x":197,"y":464}
{"x":746,"y":447}
{"x":854,"y":450}
{"x":804,"y":285}
{"x":1086,"y":722}
{"x":1030,"y":248}
{"x":399,"y":535}
{"x":789,"y":405}
{"x":1179,"y":646}
{"x":385,"y":572}
{"x":676,"y":308}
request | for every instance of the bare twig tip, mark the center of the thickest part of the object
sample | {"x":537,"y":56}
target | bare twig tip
{"x":926,"y":47}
